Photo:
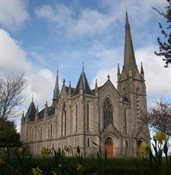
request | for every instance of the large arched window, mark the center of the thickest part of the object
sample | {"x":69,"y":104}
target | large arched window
{"x":107,"y":112}
{"x":63,"y":120}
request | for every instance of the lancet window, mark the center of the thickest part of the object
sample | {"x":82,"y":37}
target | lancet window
{"x":107,"y":112}
{"x":50,"y":130}
{"x":63,"y":121}
{"x":88,"y":117}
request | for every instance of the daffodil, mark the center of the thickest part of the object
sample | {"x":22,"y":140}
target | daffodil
{"x":160,"y":136}
{"x":36,"y":171}
{"x":144,"y":148}
{"x":1,"y":161}
{"x":21,"y":150}
{"x":53,"y":172}
{"x":66,"y":148}
{"x":80,"y":167}
{"x":45,"y":151}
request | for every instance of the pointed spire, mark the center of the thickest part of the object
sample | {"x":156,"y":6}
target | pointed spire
{"x":56,"y":89}
{"x":129,"y":57}
{"x":22,"y":118}
{"x":69,"y":88}
{"x":83,"y":67}
{"x":118,"y":73}
{"x":141,"y":70}
{"x":46,"y":110}
{"x":82,"y":84}
{"x":37,"y":113}
{"x":96,"y":87}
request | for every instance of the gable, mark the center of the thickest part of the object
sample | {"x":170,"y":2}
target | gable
{"x":109,"y":89}
{"x":123,"y":76}
{"x":137,"y":75}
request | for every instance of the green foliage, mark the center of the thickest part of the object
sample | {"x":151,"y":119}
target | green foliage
{"x":8,"y":134}
{"x":15,"y":163}
{"x":101,"y":161}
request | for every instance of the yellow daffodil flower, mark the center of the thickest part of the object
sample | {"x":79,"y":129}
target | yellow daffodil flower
{"x":36,"y":171}
{"x":1,"y":161}
{"x":160,"y":136}
{"x":45,"y":151}
{"x":80,"y":167}
{"x":67,"y":149}
{"x":53,"y":172}
{"x":144,"y":148}
{"x":21,"y":150}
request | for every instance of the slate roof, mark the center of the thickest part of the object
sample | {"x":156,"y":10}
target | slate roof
{"x":31,"y":111}
{"x":86,"y":87}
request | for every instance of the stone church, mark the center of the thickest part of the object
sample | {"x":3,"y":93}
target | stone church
{"x":106,"y":115}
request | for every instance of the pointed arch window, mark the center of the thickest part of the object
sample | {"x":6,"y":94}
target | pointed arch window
{"x":107,"y":112}
{"x":125,"y":121}
{"x":40,"y":132}
{"x":88,"y":117}
{"x":88,"y":142}
{"x":31,"y":133}
{"x":63,"y":120}
{"x":75,"y":117}
{"x":50,"y":130}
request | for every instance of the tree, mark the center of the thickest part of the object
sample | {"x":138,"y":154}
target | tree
{"x":165,"y":45}
{"x":11,"y":95}
{"x":159,"y":116}
{"x":8,"y":134}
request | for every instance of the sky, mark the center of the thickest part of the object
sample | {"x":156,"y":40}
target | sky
{"x":39,"y":37}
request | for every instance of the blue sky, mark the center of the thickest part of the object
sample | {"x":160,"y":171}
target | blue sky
{"x":39,"y":37}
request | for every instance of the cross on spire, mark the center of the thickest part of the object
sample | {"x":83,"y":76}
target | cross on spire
{"x":108,"y":76}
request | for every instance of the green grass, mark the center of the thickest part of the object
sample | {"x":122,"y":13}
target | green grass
{"x":114,"y":165}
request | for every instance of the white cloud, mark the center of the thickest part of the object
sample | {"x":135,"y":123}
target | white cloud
{"x":13,"y":57}
{"x":87,"y":22}
{"x":13,"y":14}
{"x":14,"y":61}
{"x":102,"y":77}
{"x":157,"y":77}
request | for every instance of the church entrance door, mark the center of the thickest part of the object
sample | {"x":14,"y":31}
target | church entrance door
{"x":109,"y":147}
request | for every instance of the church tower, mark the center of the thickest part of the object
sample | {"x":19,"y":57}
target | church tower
{"x":131,"y":86}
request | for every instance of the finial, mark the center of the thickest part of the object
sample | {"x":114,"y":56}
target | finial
{"x":126,"y":9}
{"x":108,"y":76}
{"x":63,"y":81}
{"x":82,"y":66}
{"x":32,"y":98}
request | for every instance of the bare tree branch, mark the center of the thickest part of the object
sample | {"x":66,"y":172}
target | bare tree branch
{"x":11,"y":95}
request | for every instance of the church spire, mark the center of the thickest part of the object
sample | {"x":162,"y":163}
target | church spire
{"x":56,"y":89}
{"x":129,"y":57}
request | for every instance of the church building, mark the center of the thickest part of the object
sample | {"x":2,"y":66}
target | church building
{"x":107,"y":115}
